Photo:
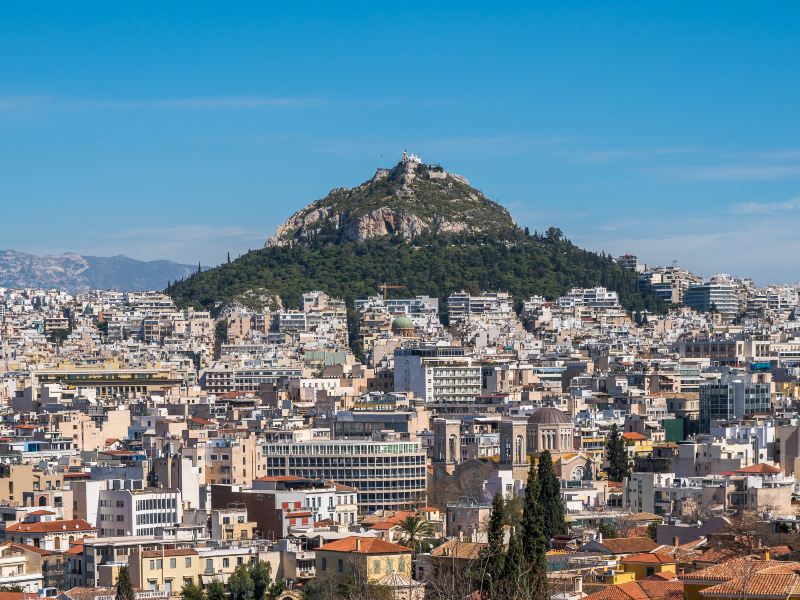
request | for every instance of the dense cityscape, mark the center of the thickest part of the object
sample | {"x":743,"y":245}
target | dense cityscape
{"x":269,"y":446}
{"x":399,"y":300}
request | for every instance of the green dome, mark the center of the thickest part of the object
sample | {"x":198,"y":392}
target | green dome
{"x":402,"y":323}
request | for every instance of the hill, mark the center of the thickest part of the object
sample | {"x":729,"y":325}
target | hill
{"x":76,"y":272}
{"x":547,"y":265}
{"x":417,"y":226}
{"x":409,"y":200}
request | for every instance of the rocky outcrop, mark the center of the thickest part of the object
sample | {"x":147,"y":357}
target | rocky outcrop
{"x":408,"y":200}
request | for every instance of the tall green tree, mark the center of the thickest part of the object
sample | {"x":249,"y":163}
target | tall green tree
{"x":550,"y":498}
{"x":124,"y":587}
{"x":494,"y":551}
{"x":240,"y":584}
{"x":617,"y":456}
{"x":261,"y":575}
{"x":216,"y":591}
{"x":192,"y":591}
{"x":534,"y":543}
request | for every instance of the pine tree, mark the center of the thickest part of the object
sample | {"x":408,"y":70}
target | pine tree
{"x":192,"y":591}
{"x":550,"y":498}
{"x":495,"y":549}
{"x":216,"y":591}
{"x":617,"y":456}
{"x":124,"y":589}
{"x":534,"y":544}
{"x":240,"y":584}
{"x":261,"y":575}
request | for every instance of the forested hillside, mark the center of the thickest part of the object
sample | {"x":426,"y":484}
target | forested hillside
{"x":523,"y":265}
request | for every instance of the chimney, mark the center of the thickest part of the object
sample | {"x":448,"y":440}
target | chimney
{"x":358,"y":544}
{"x":676,"y":541}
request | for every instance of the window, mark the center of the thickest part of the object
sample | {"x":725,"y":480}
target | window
{"x":173,"y":563}
{"x":226,"y":563}
{"x":376,"y":566}
{"x":187,"y":562}
{"x":152,"y":584}
{"x":341,"y":566}
{"x":324,"y":564}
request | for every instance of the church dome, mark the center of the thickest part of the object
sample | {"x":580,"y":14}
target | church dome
{"x":549,"y":415}
{"x":402,"y":323}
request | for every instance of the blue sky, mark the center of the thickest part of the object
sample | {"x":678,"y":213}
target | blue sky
{"x":187,"y":130}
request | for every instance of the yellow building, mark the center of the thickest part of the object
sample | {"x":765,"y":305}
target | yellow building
{"x":166,"y":570}
{"x":364,"y":557}
{"x":637,"y":444}
{"x":648,"y":563}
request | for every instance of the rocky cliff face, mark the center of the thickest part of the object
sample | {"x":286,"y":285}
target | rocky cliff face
{"x":408,"y":200}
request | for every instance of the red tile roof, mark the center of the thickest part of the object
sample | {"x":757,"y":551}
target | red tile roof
{"x":634,"y":435}
{"x":363,"y":545}
{"x":650,"y":558}
{"x":646,"y":589}
{"x":51,"y":526}
{"x":633,"y":545}
{"x":760,"y":469}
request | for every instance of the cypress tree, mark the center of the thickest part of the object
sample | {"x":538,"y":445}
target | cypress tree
{"x":124,"y":586}
{"x":534,"y":544}
{"x":495,"y":549}
{"x":617,"y":456}
{"x":550,"y":498}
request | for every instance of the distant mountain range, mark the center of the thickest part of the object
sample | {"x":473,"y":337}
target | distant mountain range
{"x":76,"y":272}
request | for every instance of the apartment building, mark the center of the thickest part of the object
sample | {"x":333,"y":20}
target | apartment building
{"x":439,"y":374}
{"x":388,"y":474}
{"x":737,"y":394}
{"x":128,"y":507}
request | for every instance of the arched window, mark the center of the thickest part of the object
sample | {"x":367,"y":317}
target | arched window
{"x":57,"y":543}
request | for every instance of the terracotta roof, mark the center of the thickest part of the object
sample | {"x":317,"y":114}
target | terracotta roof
{"x":282,"y":478}
{"x":633,"y":545}
{"x":16,"y":595}
{"x":731,"y":569}
{"x":51,"y":526}
{"x":363,"y":545}
{"x":34,"y":549}
{"x":169,"y":552}
{"x":634,"y":435}
{"x":646,"y":589}
{"x":760,"y":469}
{"x":650,"y":558}
{"x":458,"y":549}
{"x":41,"y":512}
{"x":777,"y":582}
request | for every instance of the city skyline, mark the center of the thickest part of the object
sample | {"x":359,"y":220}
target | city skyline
{"x":158,"y":134}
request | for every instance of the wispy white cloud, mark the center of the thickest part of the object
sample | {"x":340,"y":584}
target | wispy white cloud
{"x":605,"y":156}
{"x":192,"y":103}
{"x":738,"y":172}
{"x":190,"y":233}
{"x":13,"y":103}
{"x":766,"y":208}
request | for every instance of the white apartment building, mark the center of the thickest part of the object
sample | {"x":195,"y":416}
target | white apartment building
{"x":439,"y":374}
{"x":127,"y":507}
{"x":388,"y":473}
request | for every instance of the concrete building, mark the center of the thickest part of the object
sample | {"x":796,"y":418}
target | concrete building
{"x":129,"y":508}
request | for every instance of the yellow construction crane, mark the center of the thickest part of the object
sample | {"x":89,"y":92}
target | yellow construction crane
{"x":385,"y":287}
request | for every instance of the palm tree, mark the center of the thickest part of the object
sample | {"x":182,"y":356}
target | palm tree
{"x":417,"y":531}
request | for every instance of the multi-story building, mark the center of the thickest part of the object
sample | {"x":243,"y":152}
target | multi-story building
{"x":127,"y":507}
{"x":734,"y":396}
{"x":719,"y":294}
{"x":388,"y":473}
{"x":439,"y":374}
